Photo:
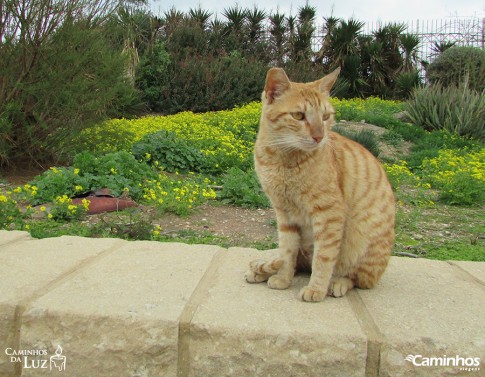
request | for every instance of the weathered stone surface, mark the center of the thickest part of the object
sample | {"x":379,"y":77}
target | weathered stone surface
{"x":250,"y":330}
{"x":28,"y":267}
{"x":423,"y":307}
{"x":477,"y":270}
{"x":14,"y":235}
{"x":142,"y":309}
{"x":120,"y":316}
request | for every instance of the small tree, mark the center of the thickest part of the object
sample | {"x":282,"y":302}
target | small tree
{"x":58,"y":75}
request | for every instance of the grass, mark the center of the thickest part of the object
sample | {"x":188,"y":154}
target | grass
{"x":441,"y":232}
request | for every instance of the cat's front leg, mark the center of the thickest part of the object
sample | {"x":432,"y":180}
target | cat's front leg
{"x":289,"y":245}
{"x":328,"y":226}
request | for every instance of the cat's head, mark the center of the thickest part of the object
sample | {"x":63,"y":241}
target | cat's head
{"x":297,"y":116}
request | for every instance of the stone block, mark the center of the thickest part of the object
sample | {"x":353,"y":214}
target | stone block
{"x":425,"y":308}
{"x":28,"y":268}
{"x":243,"y":329}
{"x":11,"y":236}
{"x":121,"y":316}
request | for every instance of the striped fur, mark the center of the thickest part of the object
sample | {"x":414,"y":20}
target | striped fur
{"x":334,"y":205}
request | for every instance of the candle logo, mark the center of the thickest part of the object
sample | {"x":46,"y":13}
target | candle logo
{"x":58,"y":361}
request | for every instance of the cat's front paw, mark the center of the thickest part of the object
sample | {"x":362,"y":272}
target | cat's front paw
{"x":310,"y":294}
{"x":253,"y":277}
{"x":278,"y":282}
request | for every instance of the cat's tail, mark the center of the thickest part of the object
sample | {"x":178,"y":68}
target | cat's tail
{"x":260,"y":270}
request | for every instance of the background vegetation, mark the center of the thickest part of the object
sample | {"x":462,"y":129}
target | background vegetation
{"x":76,"y":76}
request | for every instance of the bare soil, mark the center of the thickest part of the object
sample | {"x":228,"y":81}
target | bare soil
{"x":241,"y":226}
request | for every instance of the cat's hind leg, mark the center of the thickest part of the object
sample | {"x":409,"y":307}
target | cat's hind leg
{"x":261,"y":270}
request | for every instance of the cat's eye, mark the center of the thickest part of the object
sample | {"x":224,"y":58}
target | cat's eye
{"x":298,"y":115}
{"x":326,"y":116}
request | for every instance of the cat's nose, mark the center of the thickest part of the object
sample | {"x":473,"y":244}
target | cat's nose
{"x":317,"y":138}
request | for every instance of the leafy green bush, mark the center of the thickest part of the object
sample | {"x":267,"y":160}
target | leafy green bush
{"x":61,"y":79}
{"x":121,"y":172}
{"x":191,"y":83}
{"x":366,"y":138}
{"x":457,"y":64}
{"x":428,"y":144}
{"x":406,"y":82}
{"x":373,"y":110}
{"x":118,"y":171}
{"x":11,"y":216}
{"x":169,"y":152}
{"x":151,"y":76}
{"x":224,"y":138}
{"x":459,"y":175}
{"x":243,"y":189}
{"x":457,"y":110}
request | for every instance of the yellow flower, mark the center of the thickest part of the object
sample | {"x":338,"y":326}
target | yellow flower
{"x":78,"y":188}
{"x":76,"y":171}
{"x":50,"y":216}
{"x":42,"y":208}
{"x":86,"y":203}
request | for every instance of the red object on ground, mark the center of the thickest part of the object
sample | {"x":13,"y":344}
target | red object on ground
{"x":99,"y":204}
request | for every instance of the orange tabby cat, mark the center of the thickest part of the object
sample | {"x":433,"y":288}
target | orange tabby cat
{"x":334,"y":205}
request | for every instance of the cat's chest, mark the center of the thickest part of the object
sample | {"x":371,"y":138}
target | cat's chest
{"x":285,"y":186}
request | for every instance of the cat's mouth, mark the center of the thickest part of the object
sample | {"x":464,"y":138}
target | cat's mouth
{"x":311,"y":144}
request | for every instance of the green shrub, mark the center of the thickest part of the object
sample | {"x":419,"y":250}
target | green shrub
{"x":118,"y":171}
{"x":209,"y":83}
{"x":151,"y":76}
{"x":458,"y":174}
{"x":456,"y":64}
{"x":457,"y":110}
{"x":373,"y":110}
{"x":225,"y":138}
{"x":406,"y":82}
{"x":243,"y":189}
{"x":366,"y":138}
{"x":55,"y":85}
{"x":169,"y":152}
{"x":11,"y":216}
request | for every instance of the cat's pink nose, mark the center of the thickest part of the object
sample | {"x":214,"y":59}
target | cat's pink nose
{"x":317,"y":138}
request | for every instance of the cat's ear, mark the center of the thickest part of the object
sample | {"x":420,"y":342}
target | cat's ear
{"x":326,"y":83}
{"x":276,"y":84}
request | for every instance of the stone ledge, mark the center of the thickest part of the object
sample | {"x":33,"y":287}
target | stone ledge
{"x":120,"y":308}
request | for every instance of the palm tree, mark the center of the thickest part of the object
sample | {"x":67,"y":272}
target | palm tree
{"x":439,"y":47}
{"x":306,"y":13}
{"x":255,"y":19}
{"x":409,"y":44}
{"x":200,"y":17}
{"x":171,"y":20}
{"x":236,"y":18}
{"x":235,"y":28}
{"x":301,"y":38}
{"x":277,"y":31}
{"x":344,"y":41}
{"x":373,"y":65}
{"x":323,"y":55}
